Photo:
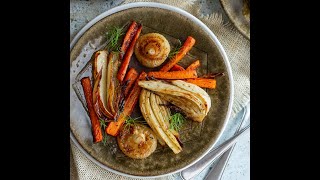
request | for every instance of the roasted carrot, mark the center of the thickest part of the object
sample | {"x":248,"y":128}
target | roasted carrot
{"x":173,"y":74}
{"x":194,"y":65}
{"x":128,"y":37}
{"x":129,"y":79}
{"x":96,"y":130}
{"x":202,"y":82}
{"x":187,"y":45}
{"x":130,"y":101}
{"x":126,"y":59}
{"x":177,"y":67}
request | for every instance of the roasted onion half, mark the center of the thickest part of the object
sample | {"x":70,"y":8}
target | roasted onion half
{"x":152,"y":49}
{"x":138,"y":141}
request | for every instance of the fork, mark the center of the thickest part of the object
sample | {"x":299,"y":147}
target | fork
{"x":216,"y":172}
{"x":198,"y":167}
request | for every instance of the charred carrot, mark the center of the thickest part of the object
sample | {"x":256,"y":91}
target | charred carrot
{"x":96,"y":130}
{"x":126,"y":59}
{"x":194,"y":65}
{"x":202,"y":82}
{"x":132,"y":99}
{"x":173,"y":74}
{"x":177,"y":67}
{"x":128,"y":37}
{"x":187,"y":45}
{"x":129,"y":79}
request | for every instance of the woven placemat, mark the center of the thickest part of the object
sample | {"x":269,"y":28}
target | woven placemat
{"x":237,"y":48}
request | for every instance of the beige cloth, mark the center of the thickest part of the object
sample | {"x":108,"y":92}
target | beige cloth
{"x":238,"y":52}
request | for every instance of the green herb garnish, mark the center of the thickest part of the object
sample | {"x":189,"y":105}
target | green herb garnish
{"x":103,"y":126}
{"x":102,"y":123}
{"x":113,"y":36}
{"x":176,"y":121}
{"x":104,"y":139}
{"x":132,"y":121}
{"x":175,"y":50}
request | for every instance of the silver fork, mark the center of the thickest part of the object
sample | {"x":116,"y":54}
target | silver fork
{"x":198,"y":167}
{"x":218,"y":170}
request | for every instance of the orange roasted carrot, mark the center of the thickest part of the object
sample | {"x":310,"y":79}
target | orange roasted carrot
{"x":188,"y":44}
{"x":126,"y":59}
{"x":128,"y":37}
{"x":194,"y":65}
{"x":177,"y":67}
{"x":96,"y":130}
{"x":203,"y":82}
{"x":132,"y":99}
{"x":130,"y":78}
{"x":173,"y":74}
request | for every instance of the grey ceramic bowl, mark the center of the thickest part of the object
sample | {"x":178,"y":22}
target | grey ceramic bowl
{"x":198,"y":138}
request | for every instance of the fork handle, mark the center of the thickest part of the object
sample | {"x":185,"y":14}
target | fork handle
{"x":216,"y":172}
{"x":195,"y":169}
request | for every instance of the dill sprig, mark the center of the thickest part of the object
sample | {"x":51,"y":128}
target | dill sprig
{"x":113,"y":36}
{"x":132,"y":121}
{"x":103,"y":126}
{"x":104,"y":139}
{"x":176,"y":121}
{"x":102,"y":123}
{"x":175,"y":50}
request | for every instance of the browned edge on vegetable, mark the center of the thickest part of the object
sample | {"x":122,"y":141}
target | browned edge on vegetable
{"x":128,"y":38}
{"x":96,"y":130}
{"x":127,"y":57}
{"x":194,"y":65}
{"x":203,"y":82}
{"x":130,"y":102}
{"x":212,"y":75}
{"x":187,"y":45}
{"x":177,"y":67}
{"x":95,"y":73}
{"x":129,"y":79}
{"x":173,"y":74}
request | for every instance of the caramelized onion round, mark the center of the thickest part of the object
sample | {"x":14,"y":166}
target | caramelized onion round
{"x":152,"y":49}
{"x":137,"y":142}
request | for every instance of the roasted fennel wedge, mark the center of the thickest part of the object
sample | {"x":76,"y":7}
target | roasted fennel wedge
{"x":142,"y":100}
{"x":162,"y":119}
{"x":150,"y":117}
{"x":194,"y":102}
